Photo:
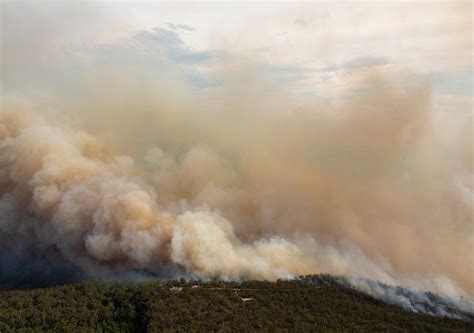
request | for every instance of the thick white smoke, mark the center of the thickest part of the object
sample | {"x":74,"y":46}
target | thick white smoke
{"x":206,"y":245}
{"x":94,"y":209}
{"x":65,"y":190}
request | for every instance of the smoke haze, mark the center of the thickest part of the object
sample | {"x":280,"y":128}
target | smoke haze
{"x":120,"y":164}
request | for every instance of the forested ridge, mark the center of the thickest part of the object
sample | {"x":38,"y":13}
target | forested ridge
{"x":176,"y":306}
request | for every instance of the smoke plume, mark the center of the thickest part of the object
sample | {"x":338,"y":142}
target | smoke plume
{"x":355,"y":191}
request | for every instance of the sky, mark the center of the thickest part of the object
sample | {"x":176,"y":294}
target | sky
{"x":318,"y":47}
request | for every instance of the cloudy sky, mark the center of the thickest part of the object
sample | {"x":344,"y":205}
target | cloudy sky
{"x":317,"y":48}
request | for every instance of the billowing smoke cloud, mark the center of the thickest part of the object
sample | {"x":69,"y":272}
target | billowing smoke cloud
{"x":128,"y":167}
{"x":61,"y":190}
{"x":357,"y":191}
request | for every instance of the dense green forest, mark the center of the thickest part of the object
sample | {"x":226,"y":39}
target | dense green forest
{"x":176,"y":306}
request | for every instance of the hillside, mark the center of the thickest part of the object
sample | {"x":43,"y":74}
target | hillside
{"x":212,"y":306}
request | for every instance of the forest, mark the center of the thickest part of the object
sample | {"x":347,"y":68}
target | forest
{"x":211,"y":306}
